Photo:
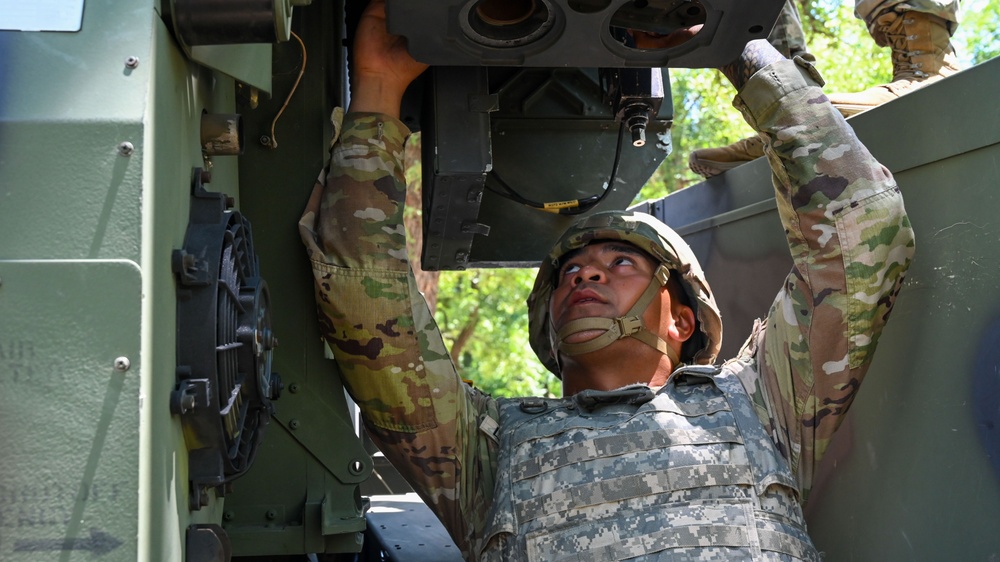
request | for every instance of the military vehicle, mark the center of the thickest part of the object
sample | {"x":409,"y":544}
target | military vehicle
{"x":164,"y":393}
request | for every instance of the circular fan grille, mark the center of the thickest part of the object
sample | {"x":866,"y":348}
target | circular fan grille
{"x":224,"y":341}
{"x":230,"y":396}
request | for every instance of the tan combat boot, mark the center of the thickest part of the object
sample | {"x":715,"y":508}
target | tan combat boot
{"x":708,"y":162}
{"x":921,"y":54}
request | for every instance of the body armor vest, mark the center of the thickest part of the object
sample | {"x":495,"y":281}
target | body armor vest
{"x":687,"y":473}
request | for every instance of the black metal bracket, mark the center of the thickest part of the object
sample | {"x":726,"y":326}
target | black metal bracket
{"x":456,"y":144}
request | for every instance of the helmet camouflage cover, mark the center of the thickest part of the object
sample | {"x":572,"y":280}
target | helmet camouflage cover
{"x":660,"y":242}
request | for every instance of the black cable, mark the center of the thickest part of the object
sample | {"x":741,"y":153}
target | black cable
{"x":571,"y":207}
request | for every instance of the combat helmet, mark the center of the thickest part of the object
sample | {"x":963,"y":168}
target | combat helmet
{"x":665,"y":246}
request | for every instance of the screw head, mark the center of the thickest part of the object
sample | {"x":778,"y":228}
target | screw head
{"x":122,"y":364}
{"x":188,"y":402}
{"x":131,"y":62}
{"x":126,"y":149}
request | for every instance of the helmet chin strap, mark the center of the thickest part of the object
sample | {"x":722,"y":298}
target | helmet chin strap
{"x":628,"y":326}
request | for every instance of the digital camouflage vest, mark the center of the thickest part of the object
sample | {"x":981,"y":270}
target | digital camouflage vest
{"x":687,"y":473}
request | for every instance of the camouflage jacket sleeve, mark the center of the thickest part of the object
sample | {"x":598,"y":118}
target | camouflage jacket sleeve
{"x":387,"y":346}
{"x":851,"y":243}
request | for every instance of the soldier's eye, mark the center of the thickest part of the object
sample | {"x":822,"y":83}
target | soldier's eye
{"x":570,"y":268}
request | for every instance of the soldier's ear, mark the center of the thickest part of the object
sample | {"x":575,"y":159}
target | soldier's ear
{"x":683,"y":322}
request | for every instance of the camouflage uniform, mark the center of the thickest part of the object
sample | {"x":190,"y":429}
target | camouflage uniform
{"x":788,"y":38}
{"x":851,"y":243}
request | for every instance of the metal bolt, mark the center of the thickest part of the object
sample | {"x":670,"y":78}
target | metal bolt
{"x":356,"y":467}
{"x":265,"y":140}
{"x":188,"y":402}
{"x":132,"y":62}
{"x":126,"y":149}
{"x":228,"y":516}
{"x":293,"y":388}
{"x":294,"y":424}
{"x":122,"y":364}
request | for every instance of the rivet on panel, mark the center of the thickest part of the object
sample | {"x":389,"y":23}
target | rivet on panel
{"x":122,"y":364}
{"x":132,"y":62}
{"x":126,"y":149}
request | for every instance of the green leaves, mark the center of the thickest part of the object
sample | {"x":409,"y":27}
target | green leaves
{"x":484,"y":320}
{"x":976,"y":39}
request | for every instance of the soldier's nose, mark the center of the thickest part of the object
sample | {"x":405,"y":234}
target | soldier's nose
{"x":587,"y":273}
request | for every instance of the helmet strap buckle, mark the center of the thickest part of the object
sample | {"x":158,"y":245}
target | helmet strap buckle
{"x":628,"y":325}
{"x":662,"y":274}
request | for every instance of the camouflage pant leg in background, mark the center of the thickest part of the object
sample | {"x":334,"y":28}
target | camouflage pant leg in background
{"x":788,"y":38}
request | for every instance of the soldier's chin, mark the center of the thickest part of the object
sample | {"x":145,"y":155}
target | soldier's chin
{"x":584,"y":336}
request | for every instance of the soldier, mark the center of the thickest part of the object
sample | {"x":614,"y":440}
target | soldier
{"x":918,"y":33}
{"x":654,"y":453}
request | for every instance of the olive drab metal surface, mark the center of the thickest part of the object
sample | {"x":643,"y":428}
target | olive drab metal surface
{"x":69,"y":348}
{"x":111,"y":419}
{"x":123,"y":439}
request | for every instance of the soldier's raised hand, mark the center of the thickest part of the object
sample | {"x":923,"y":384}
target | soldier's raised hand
{"x":382,"y":67}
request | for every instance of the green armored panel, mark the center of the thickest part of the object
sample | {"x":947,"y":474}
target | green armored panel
{"x":914,"y":472}
{"x":69,"y":384}
{"x":102,"y":145}
{"x":72,"y":365}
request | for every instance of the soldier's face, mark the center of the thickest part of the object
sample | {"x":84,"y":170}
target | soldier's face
{"x":603,"y":279}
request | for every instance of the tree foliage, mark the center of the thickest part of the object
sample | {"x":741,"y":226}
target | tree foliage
{"x":976,"y":38}
{"x":484,"y":319}
{"x":482,"y":313}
